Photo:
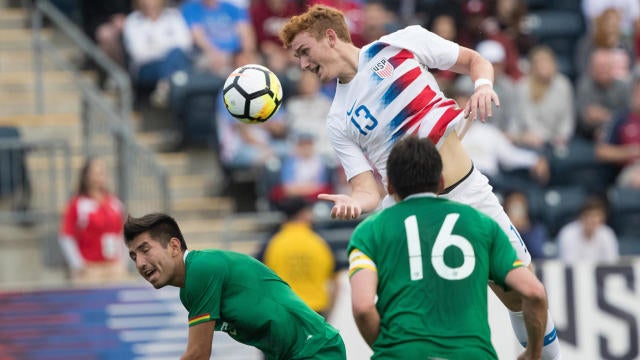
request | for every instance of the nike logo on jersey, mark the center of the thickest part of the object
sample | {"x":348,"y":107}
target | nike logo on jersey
{"x":351,"y":110}
{"x":383,"y":69}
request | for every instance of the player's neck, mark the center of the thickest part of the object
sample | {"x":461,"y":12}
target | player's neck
{"x":350,"y":55}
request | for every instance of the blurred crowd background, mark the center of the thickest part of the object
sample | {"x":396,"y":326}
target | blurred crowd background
{"x":562,"y":151}
{"x":109,"y":108}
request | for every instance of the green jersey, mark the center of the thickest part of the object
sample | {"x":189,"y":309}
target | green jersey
{"x":433,"y":258}
{"x":252,"y":304}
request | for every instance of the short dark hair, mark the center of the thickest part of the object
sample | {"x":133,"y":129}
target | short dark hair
{"x":414,"y":166}
{"x":161,"y":227}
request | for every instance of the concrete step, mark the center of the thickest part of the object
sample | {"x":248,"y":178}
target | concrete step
{"x":188,"y":185}
{"x":13,"y":18}
{"x":22,"y":60}
{"x":20,"y":38}
{"x":60,"y":101}
{"x":51,"y":79}
{"x":40,"y":120}
{"x":202,"y":207}
{"x":175,"y":162}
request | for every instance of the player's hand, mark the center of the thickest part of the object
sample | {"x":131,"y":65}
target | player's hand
{"x":527,"y":356}
{"x":344,"y":206}
{"x":479,"y":104}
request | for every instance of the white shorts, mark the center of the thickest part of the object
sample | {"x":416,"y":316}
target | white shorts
{"x":476,"y":192}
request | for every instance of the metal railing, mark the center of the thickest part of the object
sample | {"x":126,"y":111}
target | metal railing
{"x":141,"y":183}
{"x":35,"y":178}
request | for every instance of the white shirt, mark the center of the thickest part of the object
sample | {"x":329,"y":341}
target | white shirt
{"x":490,"y":149}
{"x":574,"y":247}
{"x":148,"y":40}
{"x":392,"y":95}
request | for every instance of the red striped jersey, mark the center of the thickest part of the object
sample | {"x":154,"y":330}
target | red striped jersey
{"x":393,"y":94}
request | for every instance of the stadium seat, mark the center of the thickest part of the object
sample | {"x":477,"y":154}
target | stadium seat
{"x":538,"y":4}
{"x":576,"y":164}
{"x":337,"y":235}
{"x":625,"y":211}
{"x":559,"y":29}
{"x":14,"y":178}
{"x":193,"y":99}
{"x":559,"y":205}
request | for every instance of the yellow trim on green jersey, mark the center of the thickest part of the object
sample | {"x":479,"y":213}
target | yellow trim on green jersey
{"x":199,"y":319}
{"x":358,"y":261}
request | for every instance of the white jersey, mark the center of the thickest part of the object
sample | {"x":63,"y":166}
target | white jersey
{"x":392,"y":95}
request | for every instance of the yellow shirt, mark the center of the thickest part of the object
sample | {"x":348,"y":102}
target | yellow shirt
{"x":304,"y":260}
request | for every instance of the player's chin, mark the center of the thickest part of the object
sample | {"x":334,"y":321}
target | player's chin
{"x":157,"y":284}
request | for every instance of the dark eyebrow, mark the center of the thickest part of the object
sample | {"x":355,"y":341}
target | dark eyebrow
{"x":139,"y":248}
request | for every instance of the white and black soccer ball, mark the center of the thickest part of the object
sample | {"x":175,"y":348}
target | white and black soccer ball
{"x":252,"y":93}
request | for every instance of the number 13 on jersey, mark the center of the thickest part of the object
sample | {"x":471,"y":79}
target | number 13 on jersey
{"x":444,"y":239}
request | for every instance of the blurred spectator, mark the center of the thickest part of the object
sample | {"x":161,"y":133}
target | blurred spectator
{"x":599,"y":94}
{"x":220,"y":30}
{"x":445,"y":25}
{"x":91,"y":231}
{"x":353,"y":13}
{"x":158,"y":43}
{"x":588,"y":238}
{"x":606,"y":33}
{"x":377,"y":21}
{"x":546,"y":113}
{"x":267,"y":17}
{"x":304,"y":172}
{"x":478,"y":26}
{"x":510,"y":16}
{"x":103,"y":22}
{"x":629,"y":177}
{"x":620,"y":143}
{"x":414,"y":11}
{"x":500,"y":154}
{"x":307,"y":112}
{"x":302,"y":258}
{"x":629,"y":9}
{"x":534,"y":234}
{"x":504,"y":115}
{"x":250,"y":145}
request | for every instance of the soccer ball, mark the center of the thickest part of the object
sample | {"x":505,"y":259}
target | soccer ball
{"x":252,"y":93}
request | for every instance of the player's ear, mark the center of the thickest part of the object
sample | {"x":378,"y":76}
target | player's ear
{"x":331,"y":35}
{"x":390,"y":190}
{"x":440,"y":184}
{"x":174,"y":244}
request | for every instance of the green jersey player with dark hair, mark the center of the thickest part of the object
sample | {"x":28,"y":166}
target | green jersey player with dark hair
{"x":231,"y":292}
{"x":428,"y":260}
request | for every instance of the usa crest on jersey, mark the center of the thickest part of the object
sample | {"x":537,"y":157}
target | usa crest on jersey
{"x":384,"y":69}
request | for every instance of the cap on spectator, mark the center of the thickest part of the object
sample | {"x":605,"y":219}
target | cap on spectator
{"x":475,"y":7}
{"x":292,"y":206}
{"x":491,"y":50}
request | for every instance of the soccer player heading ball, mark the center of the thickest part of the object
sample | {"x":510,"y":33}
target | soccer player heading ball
{"x":384,"y":93}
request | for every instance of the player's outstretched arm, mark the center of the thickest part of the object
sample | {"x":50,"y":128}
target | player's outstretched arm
{"x":199,"y":342}
{"x":364,"y":284}
{"x":471,"y":63}
{"x":364,"y":197}
{"x":534,"y":309}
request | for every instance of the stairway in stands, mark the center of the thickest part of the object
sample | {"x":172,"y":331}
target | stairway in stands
{"x":203,"y":214}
